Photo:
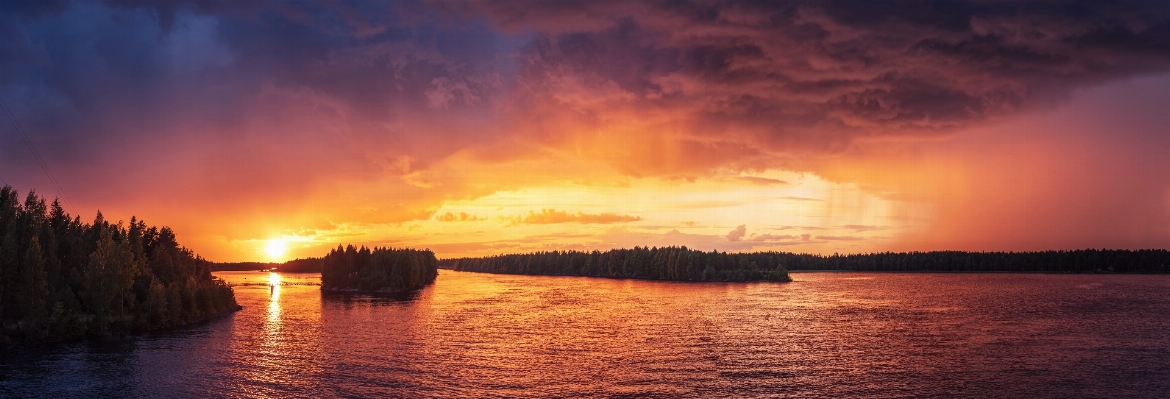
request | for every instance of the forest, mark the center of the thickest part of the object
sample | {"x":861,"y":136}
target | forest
{"x":377,"y":270}
{"x":61,"y":278}
{"x":680,"y":263}
{"x":1075,"y":261}
{"x":667,"y":263}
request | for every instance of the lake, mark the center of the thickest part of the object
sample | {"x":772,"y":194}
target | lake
{"x":869,"y":335}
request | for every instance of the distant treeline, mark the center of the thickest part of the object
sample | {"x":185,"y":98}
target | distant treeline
{"x":668,"y":263}
{"x":679,"y":263}
{"x":380,"y":269}
{"x":1076,"y":261}
{"x":63,"y":279}
{"x":304,"y":265}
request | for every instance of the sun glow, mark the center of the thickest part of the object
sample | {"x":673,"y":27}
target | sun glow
{"x":276,"y":248}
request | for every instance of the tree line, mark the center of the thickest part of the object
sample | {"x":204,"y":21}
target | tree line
{"x":1074,"y":261}
{"x":61,"y":278}
{"x":380,"y":269}
{"x":667,"y":263}
{"x":301,"y":265}
{"x":680,"y":263}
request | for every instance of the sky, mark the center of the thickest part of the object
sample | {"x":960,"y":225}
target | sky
{"x":266,"y":131}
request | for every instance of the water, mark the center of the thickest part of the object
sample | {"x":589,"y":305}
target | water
{"x":484,"y":335}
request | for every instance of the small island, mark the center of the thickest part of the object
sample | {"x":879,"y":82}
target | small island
{"x":666,"y":263}
{"x":380,"y":270}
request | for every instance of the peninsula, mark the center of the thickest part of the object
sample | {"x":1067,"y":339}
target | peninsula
{"x":666,"y":263}
{"x":61,"y":278}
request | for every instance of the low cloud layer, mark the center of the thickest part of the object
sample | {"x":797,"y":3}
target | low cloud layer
{"x":553,"y":216}
{"x":860,"y":228}
{"x":460,"y":217}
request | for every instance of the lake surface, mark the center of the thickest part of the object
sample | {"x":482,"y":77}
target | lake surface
{"x":871,"y":335}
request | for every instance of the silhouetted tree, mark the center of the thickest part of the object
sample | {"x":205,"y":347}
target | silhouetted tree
{"x":667,"y":263}
{"x":679,"y":263}
{"x":61,"y":278}
{"x":380,"y":269}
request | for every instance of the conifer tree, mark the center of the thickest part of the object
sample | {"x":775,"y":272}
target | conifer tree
{"x":30,"y":289}
{"x":61,"y":278}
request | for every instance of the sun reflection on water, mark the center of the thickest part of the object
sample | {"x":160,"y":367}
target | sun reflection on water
{"x":273,"y":326}
{"x":280,"y":348}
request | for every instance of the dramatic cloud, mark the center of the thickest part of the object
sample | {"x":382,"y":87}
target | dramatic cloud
{"x":817,"y":75}
{"x":235,"y":122}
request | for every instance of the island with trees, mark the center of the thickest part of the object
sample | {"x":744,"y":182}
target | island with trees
{"x":666,"y":263}
{"x":380,"y":270}
{"x":61,"y":278}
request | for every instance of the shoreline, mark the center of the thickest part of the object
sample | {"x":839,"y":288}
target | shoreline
{"x":626,"y":278}
{"x":369,"y":292}
{"x":6,"y":344}
{"x":968,"y":272}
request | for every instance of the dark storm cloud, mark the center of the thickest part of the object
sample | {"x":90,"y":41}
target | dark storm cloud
{"x":91,"y":79}
{"x":785,"y":75}
{"x":262,"y":93}
{"x":801,"y":74}
{"x":247,"y":109}
{"x":165,"y":11}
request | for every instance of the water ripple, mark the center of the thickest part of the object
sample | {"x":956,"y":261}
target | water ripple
{"x":484,"y":335}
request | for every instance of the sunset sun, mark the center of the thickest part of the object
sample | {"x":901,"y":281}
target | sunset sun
{"x":275,"y":248}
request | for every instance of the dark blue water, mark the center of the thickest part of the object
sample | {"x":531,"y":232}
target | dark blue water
{"x":484,"y":335}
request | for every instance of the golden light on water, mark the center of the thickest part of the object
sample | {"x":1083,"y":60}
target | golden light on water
{"x":273,"y":325}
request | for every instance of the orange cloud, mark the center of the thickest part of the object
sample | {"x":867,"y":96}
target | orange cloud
{"x":461,"y":217}
{"x":860,"y":228}
{"x":763,"y":181}
{"x":553,"y":216}
{"x":839,"y":238}
{"x":773,"y":237}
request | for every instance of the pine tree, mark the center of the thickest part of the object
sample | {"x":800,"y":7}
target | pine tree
{"x":30,"y":289}
{"x":8,"y":263}
{"x":111,"y":272}
{"x":64,"y":277}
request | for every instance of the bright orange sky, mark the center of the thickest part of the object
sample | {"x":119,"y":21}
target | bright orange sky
{"x":499,"y":127}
